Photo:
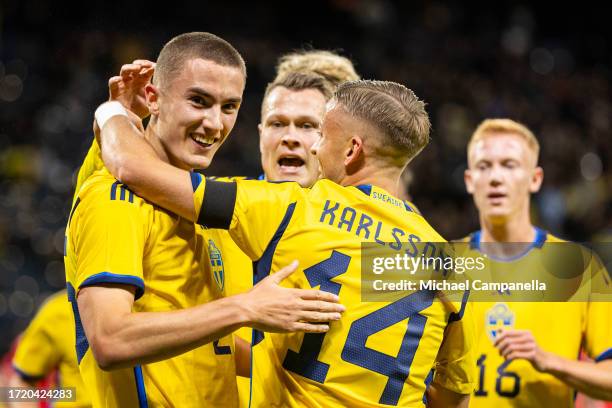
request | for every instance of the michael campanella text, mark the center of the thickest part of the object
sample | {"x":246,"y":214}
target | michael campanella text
{"x":476,"y":284}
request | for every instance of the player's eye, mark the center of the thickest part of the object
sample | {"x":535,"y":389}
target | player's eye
{"x":511,"y":164}
{"x":230,"y":107}
{"x":308,"y":125}
{"x":197,"y":100}
{"x":276,"y":124}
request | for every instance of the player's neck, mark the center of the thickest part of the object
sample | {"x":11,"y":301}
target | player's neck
{"x":152,"y":137}
{"x":512,"y":229}
{"x":385,"y":178}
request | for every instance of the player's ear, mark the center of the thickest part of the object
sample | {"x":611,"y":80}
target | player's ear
{"x":353,"y":156}
{"x":536,"y":180}
{"x":469,"y":183}
{"x":260,"y":129}
{"x":152,"y":96}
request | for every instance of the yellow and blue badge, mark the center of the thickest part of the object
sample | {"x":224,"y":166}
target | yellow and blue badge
{"x":497,"y":318}
{"x":216,"y":263}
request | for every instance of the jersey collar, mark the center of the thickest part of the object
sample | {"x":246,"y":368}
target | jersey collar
{"x":368,"y":189}
{"x":538,"y":242}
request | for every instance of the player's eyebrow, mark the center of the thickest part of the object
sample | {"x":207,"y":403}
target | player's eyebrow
{"x":299,"y":118}
{"x":205,"y":94}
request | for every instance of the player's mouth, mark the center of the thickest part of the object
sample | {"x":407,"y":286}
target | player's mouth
{"x":290,"y":163}
{"x":201,"y":140}
{"x":496,"y":197}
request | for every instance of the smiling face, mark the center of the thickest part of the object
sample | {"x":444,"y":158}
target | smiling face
{"x":501,"y":175}
{"x":290,"y":125}
{"x":196,"y":111}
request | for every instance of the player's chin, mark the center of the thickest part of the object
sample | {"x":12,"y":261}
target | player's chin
{"x":497,"y":213}
{"x":200,"y":161}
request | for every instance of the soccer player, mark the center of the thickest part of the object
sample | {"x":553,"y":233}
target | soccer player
{"x":48,"y":345}
{"x":292,"y":113}
{"x":379,"y":353}
{"x":527,"y":350}
{"x":146,"y":285}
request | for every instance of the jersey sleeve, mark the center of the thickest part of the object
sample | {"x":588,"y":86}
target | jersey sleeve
{"x":109,"y":234}
{"x":91,"y":164}
{"x":455,"y":367}
{"x":37,"y":353}
{"x":252,"y":210}
{"x":598,"y":325}
{"x":598,"y":331}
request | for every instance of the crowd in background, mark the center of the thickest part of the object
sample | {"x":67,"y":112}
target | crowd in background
{"x":467,"y":63}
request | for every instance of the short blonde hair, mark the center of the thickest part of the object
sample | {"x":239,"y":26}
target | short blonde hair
{"x":501,"y":125}
{"x":333,"y":67}
{"x":394,"y":110}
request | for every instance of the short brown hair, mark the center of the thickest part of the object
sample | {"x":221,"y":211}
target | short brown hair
{"x":391,"y":108}
{"x":333,"y":67}
{"x":188,"y":46}
{"x":503,"y":125}
{"x":298,"y":81}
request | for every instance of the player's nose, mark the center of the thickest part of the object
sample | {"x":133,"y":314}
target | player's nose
{"x":291,"y":138}
{"x":212,"y":119}
{"x":495,"y":175}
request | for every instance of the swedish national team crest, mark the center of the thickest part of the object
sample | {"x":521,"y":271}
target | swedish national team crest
{"x":216,"y":263}
{"x":498,"y":317}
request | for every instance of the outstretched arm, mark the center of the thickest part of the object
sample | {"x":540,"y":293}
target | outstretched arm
{"x":132,"y":160}
{"x":591,"y":378}
{"x":120,"y":337}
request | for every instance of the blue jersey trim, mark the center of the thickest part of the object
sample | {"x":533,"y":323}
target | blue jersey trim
{"x":140,"y":387}
{"x":428,"y":381}
{"x":365,"y":188}
{"x":25,"y":376}
{"x":538,"y":242}
{"x":107,"y":277}
{"x":82,"y":344}
{"x":453,"y":317}
{"x":539,"y":239}
{"x":261,"y":177}
{"x":196,"y":180}
{"x":475,"y":240}
{"x":606,"y":355}
{"x":251,"y":376}
{"x":76,"y":204}
{"x":261,"y":268}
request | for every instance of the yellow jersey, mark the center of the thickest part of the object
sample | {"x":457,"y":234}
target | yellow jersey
{"x":113,"y":236}
{"x":48,"y":344}
{"x":379,"y":353}
{"x":238,"y":279}
{"x":92,"y":163}
{"x":562,"y":328}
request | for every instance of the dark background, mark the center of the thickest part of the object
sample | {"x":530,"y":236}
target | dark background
{"x":547,"y":65}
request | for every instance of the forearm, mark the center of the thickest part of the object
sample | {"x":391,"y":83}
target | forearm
{"x":145,"y":337}
{"x":590,"y":378}
{"x":133,"y":161}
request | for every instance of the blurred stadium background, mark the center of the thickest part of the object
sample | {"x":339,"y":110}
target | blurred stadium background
{"x":467,"y":62}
